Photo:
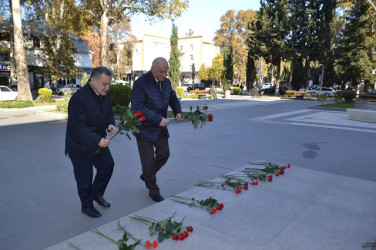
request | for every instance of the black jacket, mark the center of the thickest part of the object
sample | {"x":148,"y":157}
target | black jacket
{"x":88,"y":119}
{"x":147,"y":97}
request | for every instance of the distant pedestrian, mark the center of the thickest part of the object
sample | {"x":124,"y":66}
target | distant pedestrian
{"x":212,"y":92}
{"x":89,"y":116}
{"x":47,"y":85}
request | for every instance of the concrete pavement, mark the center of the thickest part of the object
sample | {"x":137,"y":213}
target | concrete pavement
{"x":325,"y":201}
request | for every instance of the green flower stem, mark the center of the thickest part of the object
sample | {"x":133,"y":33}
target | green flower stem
{"x":122,"y":228}
{"x":95,"y":230}
{"x":70,"y":244}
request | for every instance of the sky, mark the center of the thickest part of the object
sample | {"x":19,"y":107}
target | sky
{"x":202,"y":16}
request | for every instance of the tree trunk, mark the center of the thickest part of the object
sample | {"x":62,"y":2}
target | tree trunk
{"x":24,"y":92}
{"x":104,"y":35}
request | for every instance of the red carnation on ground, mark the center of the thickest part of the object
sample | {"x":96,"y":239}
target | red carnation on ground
{"x":205,"y":107}
{"x":155,"y":244}
{"x":213,"y":211}
{"x":138,"y":114}
{"x":210,"y":117}
{"x":270,"y":177}
{"x":245,"y":185}
{"x":175,"y":237}
{"x":255,"y":183}
{"x":238,"y":191}
{"x":220,"y":206}
{"x":148,"y":244}
{"x":142,"y":118}
{"x":288,"y":165}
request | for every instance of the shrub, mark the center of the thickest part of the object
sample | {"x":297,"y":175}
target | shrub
{"x":44,"y":94}
{"x":62,"y":108}
{"x":348,"y":95}
{"x":338,"y":96}
{"x":321,"y":98}
{"x":16,"y":104}
{"x":237,"y":90}
{"x":179,"y":92}
{"x":120,"y":95}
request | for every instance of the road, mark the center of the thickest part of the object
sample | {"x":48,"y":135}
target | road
{"x":39,"y":206}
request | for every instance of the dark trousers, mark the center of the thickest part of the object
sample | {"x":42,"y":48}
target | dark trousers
{"x":152,"y":163}
{"x":83,"y":172}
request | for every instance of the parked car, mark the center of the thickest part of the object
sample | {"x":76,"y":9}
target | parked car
{"x":369,"y":95}
{"x":199,"y":86}
{"x":267,"y":85}
{"x":6,"y":94}
{"x":68,"y":87}
{"x":121,"y":82}
{"x":267,"y":90}
{"x":324,"y":91}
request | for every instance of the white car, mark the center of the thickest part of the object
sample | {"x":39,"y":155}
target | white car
{"x":324,"y":91}
{"x":6,"y":94}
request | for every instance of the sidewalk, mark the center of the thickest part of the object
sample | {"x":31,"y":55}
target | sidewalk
{"x":303,"y":209}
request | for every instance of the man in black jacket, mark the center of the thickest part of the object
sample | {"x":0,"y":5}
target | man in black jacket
{"x":152,"y":94}
{"x":89,"y":116}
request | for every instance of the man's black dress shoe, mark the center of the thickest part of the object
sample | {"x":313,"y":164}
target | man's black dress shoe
{"x":101,"y":201}
{"x":156,"y":197}
{"x":91,"y":212}
{"x":142,"y":177}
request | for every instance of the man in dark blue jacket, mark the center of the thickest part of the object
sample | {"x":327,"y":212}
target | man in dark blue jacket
{"x":89,"y":116}
{"x":152,"y":94}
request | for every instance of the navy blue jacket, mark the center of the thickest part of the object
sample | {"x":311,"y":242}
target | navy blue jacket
{"x":147,"y":97}
{"x":88,"y":119}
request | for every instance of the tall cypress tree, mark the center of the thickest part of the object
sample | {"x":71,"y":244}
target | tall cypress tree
{"x":174,"y":61}
{"x":271,"y":30}
{"x":228,"y":67}
{"x":356,"y":48}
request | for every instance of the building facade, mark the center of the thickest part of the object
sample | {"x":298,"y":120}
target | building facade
{"x":35,"y":60}
{"x":195,"y":51}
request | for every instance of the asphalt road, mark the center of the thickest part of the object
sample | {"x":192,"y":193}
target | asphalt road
{"x":39,"y":205}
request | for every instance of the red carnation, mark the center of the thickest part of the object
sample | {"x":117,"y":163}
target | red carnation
{"x":220,"y":206}
{"x":181,"y":236}
{"x":210,"y":117}
{"x":138,"y":114}
{"x":238,"y":191}
{"x":205,"y":107}
{"x":213,"y":211}
{"x":142,"y":118}
{"x":190,"y":229}
{"x":148,"y":244}
{"x":270,"y":177}
{"x":277,"y":174}
{"x":185,"y":233}
{"x":288,"y":165}
{"x":245,"y":185}
{"x":175,"y":237}
{"x":155,"y":244}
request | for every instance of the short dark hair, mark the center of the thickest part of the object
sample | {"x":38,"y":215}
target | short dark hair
{"x":98,"y":71}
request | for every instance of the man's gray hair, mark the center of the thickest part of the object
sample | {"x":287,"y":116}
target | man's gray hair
{"x":157,"y":60}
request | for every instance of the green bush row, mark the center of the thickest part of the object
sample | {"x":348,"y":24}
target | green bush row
{"x":16,"y":104}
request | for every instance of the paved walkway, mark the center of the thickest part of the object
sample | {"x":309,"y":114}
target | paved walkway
{"x":325,"y":201}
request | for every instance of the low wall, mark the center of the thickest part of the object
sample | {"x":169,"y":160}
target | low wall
{"x":362,"y":115}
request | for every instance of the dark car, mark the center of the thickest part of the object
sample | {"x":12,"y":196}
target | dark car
{"x":369,"y":95}
{"x":267,"y":91}
{"x":68,"y":87}
{"x":199,"y":86}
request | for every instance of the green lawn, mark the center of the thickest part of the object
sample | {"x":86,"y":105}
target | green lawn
{"x":340,"y":105}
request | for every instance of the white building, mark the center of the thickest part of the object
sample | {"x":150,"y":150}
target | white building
{"x":195,"y":51}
